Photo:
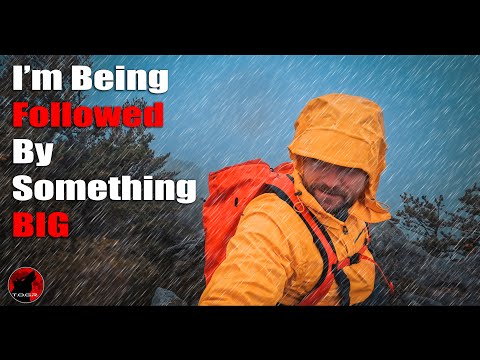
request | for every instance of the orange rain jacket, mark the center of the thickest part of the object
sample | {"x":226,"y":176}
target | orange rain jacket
{"x":272,"y":258}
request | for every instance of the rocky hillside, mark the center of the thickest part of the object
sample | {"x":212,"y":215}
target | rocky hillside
{"x":420,"y":279}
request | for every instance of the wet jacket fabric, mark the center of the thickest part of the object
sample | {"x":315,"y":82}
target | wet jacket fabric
{"x":272,"y":258}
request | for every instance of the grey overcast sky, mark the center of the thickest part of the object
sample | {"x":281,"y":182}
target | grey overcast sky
{"x":221,"y":110}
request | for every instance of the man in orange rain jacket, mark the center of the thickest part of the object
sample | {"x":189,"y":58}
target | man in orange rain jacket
{"x":338,"y":152}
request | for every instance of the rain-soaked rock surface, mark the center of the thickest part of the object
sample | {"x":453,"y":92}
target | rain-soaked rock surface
{"x":419,"y":278}
{"x":164,"y":297}
{"x":422,"y":279}
{"x":184,"y":275}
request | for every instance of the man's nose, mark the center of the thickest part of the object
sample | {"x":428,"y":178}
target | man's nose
{"x":331,"y":178}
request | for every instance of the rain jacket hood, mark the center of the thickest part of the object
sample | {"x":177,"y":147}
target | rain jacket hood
{"x":273,"y":258}
{"x":347,"y":131}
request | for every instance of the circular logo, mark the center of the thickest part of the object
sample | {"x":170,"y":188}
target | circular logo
{"x":25,"y":284}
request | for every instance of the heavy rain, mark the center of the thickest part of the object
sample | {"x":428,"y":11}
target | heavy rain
{"x":224,"y":110}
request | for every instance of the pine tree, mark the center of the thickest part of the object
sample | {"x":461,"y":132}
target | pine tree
{"x":114,"y":251}
{"x":35,"y":98}
{"x":425,"y":220}
{"x":436,"y":229}
{"x":465,"y":221}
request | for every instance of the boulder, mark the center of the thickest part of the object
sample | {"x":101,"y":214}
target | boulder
{"x":164,"y":297}
{"x":422,"y":279}
{"x":419,"y":278}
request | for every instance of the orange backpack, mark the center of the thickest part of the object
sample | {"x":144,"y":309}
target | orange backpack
{"x":233,"y":187}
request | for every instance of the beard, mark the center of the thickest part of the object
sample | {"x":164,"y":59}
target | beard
{"x":341,"y":210}
{"x":341,"y":213}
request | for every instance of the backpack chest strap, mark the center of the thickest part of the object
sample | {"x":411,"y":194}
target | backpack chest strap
{"x":332,"y":271}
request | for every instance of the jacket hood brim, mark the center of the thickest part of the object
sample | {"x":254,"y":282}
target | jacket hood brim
{"x":347,"y":131}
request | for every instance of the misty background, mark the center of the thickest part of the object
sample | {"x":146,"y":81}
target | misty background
{"x":222,"y":110}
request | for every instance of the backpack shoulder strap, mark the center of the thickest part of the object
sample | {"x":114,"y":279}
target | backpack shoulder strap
{"x":282,"y":186}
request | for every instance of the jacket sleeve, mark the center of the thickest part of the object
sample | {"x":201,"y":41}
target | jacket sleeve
{"x":257,"y":265}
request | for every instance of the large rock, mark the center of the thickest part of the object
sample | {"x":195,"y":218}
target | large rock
{"x":422,"y":279}
{"x":184,"y":274}
{"x":164,"y":297}
{"x":419,"y":278}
